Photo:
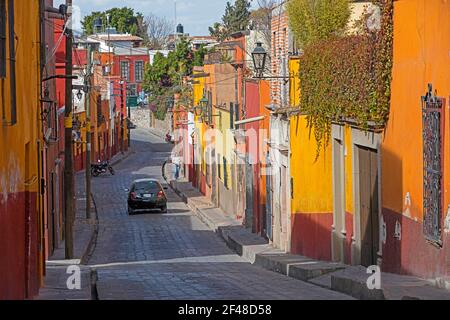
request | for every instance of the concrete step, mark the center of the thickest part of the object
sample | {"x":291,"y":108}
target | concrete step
{"x":258,"y":251}
{"x":353,"y":281}
{"x":338,"y":277}
{"x":443,"y":283}
{"x":310,"y":270}
{"x":244,"y":243}
{"x":296,"y":266}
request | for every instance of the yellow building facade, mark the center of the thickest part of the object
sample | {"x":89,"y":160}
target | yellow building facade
{"x":21,"y":223}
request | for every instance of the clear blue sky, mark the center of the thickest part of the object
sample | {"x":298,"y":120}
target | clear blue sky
{"x":195,"y":15}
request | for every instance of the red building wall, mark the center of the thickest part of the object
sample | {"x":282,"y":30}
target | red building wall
{"x":253,"y":147}
{"x":132,"y":61}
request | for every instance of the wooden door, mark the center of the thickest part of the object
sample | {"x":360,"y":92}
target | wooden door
{"x":369,"y":207}
{"x":249,"y":193}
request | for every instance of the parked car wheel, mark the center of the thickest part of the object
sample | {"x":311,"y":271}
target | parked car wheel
{"x":94,"y":172}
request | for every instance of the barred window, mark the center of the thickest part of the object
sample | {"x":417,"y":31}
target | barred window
{"x":139,"y":71}
{"x":225,"y":172}
{"x":433,"y":110}
{"x":125,"y":70}
{"x":2,"y":38}
{"x":219,"y":167}
{"x":132,"y":90}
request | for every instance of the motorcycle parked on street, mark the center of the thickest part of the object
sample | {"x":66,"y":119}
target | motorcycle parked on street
{"x":101,"y":167}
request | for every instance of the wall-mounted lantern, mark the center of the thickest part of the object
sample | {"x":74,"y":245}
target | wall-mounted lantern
{"x":203,"y":104}
{"x":259,"y":56}
{"x":259,"y":59}
{"x":79,"y":95}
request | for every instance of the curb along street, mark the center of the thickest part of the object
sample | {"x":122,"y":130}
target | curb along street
{"x":350,"y":280}
{"x":92,"y":243}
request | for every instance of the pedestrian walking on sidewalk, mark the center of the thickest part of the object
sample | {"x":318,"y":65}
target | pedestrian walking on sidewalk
{"x":176,"y":165}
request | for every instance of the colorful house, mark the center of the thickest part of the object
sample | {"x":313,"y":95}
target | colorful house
{"x":279,"y":179}
{"x":199,"y":178}
{"x":52,"y":128}
{"x":257,"y":131}
{"x":390,"y":204}
{"x":22,"y":259}
{"x":415,"y":149}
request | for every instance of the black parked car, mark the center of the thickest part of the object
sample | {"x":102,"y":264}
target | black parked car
{"x":145,"y":195}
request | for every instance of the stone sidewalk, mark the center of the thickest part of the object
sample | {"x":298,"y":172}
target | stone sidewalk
{"x":351,"y":280}
{"x":84,"y":232}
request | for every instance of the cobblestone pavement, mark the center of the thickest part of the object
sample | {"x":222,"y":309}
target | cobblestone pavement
{"x":173,"y":255}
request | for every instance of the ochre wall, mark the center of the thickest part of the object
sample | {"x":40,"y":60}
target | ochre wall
{"x":20,"y":273}
{"x":312,"y":203}
{"x":312,"y":177}
{"x":349,"y":204}
{"x":311,"y":174}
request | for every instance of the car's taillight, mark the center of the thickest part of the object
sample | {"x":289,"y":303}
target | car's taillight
{"x":161,"y":194}
{"x":133,"y":195}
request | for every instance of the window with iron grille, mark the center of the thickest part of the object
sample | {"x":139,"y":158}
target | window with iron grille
{"x":12,"y":62}
{"x":219,"y":167}
{"x":208,"y":167}
{"x":433,"y":142}
{"x":52,"y":121}
{"x":132,"y":90}
{"x":99,"y":111}
{"x":210,"y":108}
{"x":236,"y":114}
{"x":225,"y":172}
{"x":139,"y":71}
{"x":2,"y":38}
{"x":125,"y":70}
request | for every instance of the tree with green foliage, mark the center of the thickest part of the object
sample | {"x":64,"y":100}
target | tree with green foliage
{"x":236,"y":18}
{"x":125,"y":20}
{"x":165,"y":76}
{"x":315,"y":20}
{"x":199,"y":56}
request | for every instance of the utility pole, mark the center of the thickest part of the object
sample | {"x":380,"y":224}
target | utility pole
{"x":128,"y":125}
{"x":69,"y":187}
{"x":122,"y":120}
{"x":88,"y":133}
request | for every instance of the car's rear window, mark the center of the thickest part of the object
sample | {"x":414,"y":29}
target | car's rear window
{"x":147,"y":186}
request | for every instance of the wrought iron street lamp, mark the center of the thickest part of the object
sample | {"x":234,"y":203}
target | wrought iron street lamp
{"x":259,"y":62}
{"x":203,"y":103}
{"x":259,"y":59}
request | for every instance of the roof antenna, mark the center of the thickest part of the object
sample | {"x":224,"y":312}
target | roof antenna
{"x":175,"y":2}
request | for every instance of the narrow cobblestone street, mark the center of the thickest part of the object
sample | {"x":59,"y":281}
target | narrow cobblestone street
{"x":172,"y":256}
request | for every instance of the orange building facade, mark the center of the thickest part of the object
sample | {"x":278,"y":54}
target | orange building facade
{"x":416,"y":205}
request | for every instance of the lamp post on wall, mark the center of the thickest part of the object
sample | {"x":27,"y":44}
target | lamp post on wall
{"x":69,"y":187}
{"x":259,"y":56}
{"x":203,"y":105}
{"x":122,"y":121}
